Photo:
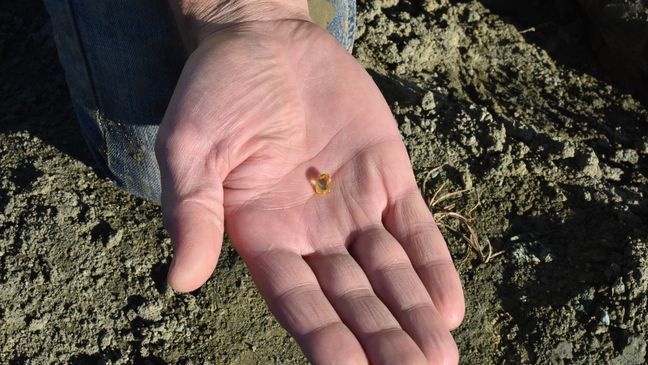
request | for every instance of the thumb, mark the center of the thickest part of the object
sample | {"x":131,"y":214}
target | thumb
{"x":192,"y":208}
{"x":196,"y":229}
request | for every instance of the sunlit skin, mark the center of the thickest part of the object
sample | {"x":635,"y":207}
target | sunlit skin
{"x":359,"y":275}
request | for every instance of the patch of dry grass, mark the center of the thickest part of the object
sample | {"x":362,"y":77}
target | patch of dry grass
{"x":447,"y":216}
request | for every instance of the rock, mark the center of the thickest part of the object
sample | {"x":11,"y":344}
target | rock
{"x":115,"y":239}
{"x":604,"y":318}
{"x":600,"y":330}
{"x":428,"y":103}
{"x":612,"y":173}
{"x":39,"y":324}
{"x":432,"y":5}
{"x":564,"y":350}
{"x":629,"y":156}
{"x":497,"y":137}
{"x":473,"y":17}
{"x":406,"y":128}
{"x":590,"y":165}
{"x":529,"y":252}
{"x":568,"y":150}
{"x":150,"y":312}
{"x":618,"y":287}
{"x":633,"y":353}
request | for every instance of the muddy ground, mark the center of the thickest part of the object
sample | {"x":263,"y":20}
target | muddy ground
{"x":508,"y":102}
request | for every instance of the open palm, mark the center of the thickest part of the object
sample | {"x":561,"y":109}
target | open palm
{"x":358,"y":275}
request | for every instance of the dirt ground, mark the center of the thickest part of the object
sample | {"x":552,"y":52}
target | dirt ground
{"x":511,"y":103}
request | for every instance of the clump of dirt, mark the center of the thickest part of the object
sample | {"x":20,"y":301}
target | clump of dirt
{"x":555,"y":160}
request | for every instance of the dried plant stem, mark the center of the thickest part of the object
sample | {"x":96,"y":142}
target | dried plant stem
{"x":466,"y":231}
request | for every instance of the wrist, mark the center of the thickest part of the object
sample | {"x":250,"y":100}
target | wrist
{"x":197,"y":19}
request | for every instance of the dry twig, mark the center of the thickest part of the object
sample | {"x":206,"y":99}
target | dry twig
{"x":442,"y":214}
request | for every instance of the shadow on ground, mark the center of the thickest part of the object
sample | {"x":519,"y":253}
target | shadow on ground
{"x":33,"y":93}
{"x":584,"y":36}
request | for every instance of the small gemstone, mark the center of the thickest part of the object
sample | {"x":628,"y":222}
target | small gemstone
{"x":323,"y":184}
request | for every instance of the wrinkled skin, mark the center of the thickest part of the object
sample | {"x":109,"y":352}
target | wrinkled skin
{"x":360,"y":275}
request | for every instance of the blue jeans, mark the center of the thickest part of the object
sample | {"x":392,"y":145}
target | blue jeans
{"x":122,"y":59}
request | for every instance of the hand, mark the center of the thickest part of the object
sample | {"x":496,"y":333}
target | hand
{"x":359,"y":275}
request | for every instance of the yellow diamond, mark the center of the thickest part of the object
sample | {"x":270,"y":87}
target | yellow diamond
{"x":323,"y":184}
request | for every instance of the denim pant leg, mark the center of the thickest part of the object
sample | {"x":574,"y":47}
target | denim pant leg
{"x":122,"y":59}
